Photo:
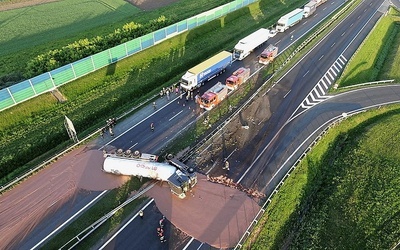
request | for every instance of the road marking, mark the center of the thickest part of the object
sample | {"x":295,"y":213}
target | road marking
{"x":324,"y":8}
{"x":316,"y":14}
{"x":187,"y":245}
{"x":321,"y":89}
{"x":292,"y":31}
{"x":358,"y":17}
{"x":329,"y":73}
{"x":175,"y":115}
{"x":304,"y":22}
{"x":277,"y":42}
{"x":320,"y":58}
{"x":328,"y":80}
{"x":335,"y":67}
{"x":333,"y":45}
{"x":343,"y":33}
{"x":365,"y":10}
{"x":306,"y":73}
{"x":351,"y":24}
{"x":338,"y":64}
{"x":124,"y":226}
{"x":334,"y":72}
{"x":286,"y":94}
{"x":323,"y":83}
{"x":67,"y":221}
{"x":134,"y":145}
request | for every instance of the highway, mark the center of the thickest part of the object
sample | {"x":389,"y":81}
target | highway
{"x":280,"y":138}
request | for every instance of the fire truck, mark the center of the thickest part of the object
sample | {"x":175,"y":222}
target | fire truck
{"x":268,"y":55}
{"x":238,"y":77}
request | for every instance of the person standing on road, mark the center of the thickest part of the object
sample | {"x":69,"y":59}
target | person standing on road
{"x":141,"y":214}
{"x":154,"y":105}
{"x":152,"y":127}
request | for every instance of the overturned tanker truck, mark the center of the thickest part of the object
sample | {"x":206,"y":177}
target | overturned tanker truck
{"x":180,"y":177}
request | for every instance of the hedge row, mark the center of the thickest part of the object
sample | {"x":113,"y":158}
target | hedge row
{"x":85,"y":47}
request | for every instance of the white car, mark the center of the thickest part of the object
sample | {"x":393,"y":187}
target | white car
{"x":272,"y":33}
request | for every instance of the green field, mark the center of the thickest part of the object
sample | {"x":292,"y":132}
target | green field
{"x":344,"y":194}
{"x":31,"y":31}
{"x":374,"y":59}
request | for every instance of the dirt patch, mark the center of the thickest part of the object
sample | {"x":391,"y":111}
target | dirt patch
{"x":151,"y":4}
{"x":213,"y":213}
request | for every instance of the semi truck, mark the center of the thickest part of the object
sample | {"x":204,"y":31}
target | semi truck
{"x":213,"y":96}
{"x":309,"y":8}
{"x":205,"y":71}
{"x":246,"y":45}
{"x":289,"y":20}
{"x":268,"y":55}
{"x":237,"y":78}
{"x":181,"y":178}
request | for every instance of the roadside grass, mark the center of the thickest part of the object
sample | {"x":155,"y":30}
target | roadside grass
{"x":370,"y":61}
{"x":28,"y":131}
{"x":71,"y":20}
{"x":343,"y":194}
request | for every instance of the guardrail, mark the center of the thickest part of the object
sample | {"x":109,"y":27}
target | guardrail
{"x":368,"y":83}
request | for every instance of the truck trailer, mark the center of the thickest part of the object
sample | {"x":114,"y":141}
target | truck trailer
{"x":268,"y":55}
{"x":179,"y":177}
{"x":289,"y":20}
{"x":246,"y":45}
{"x":309,"y":8}
{"x":319,"y":2}
{"x":205,"y":71}
{"x":237,"y":78}
{"x":213,"y":96}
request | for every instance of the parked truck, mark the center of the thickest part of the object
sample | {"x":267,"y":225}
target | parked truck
{"x":268,"y":55}
{"x":213,"y":96}
{"x":319,"y":2}
{"x":289,"y":20}
{"x":180,"y":177}
{"x":310,"y":8}
{"x":205,"y":71}
{"x":237,"y":78}
{"x":246,"y":45}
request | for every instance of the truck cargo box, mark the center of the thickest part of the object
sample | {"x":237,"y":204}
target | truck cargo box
{"x":246,"y":45}
{"x":289,"y":20}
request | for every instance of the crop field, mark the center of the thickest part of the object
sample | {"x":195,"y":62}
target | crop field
{"x":344,"y":194}
{"x":34,"y":25}
{"x":370,"y":62}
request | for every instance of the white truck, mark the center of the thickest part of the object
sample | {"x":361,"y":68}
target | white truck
{"x":180,"y":177}
{"x":205,"y":71}
{"x":246,"y":45}
{"x":289,"y":20}
{"x":310,"y":8}
{"x":319,"y":2}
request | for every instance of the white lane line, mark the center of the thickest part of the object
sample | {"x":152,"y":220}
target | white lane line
{"x":336,"y":67}
{"x":320,"y":57}
{"x":333,"y":45}
{"x":286,"y":94}
{"x":321,"y":89}
{"x":351,"y":25}
{"x":329,"y":73}
{"x":187,"y":245}
{"x":306,"y":73}
{"x":277,"y":42}
{"x":133,"y":145}
{"x":67,"y":221}
{"x":124,"y":226}
{"x":334,"y":72}
{"x":175,"y":115}
{"x":343,"y":33}
{"x":341,"y":67}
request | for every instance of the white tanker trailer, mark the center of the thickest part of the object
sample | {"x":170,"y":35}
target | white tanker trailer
{"x":179,"y":177}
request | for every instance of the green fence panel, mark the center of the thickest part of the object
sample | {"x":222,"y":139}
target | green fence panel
{"x":239,"y":4}
{"x":182,"y":25}
{"x":62,"y":75}
{"x":225,"y":9}
{"x":171,"y":29}
{"x":83,"y":66}
{"x":160,"y":35}
{"x":192,"y":23}
{"x":133,"y":46}
{"x":201,"y":20}
{"x":210,"y":17}
{"x":147,"y":40}
{"x":22,"y":91}
{"x":42,"y":83}
{"x":101,"y":59}
{"x":5,"y":99}
{"x":118,"y":52}
{"x":218,"y":13}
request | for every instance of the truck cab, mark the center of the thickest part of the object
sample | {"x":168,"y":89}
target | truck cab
{"x":237,"y":78}
{"x":213,"y":96}
{"x":189,"y":81}
{"x":268,"y":55}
